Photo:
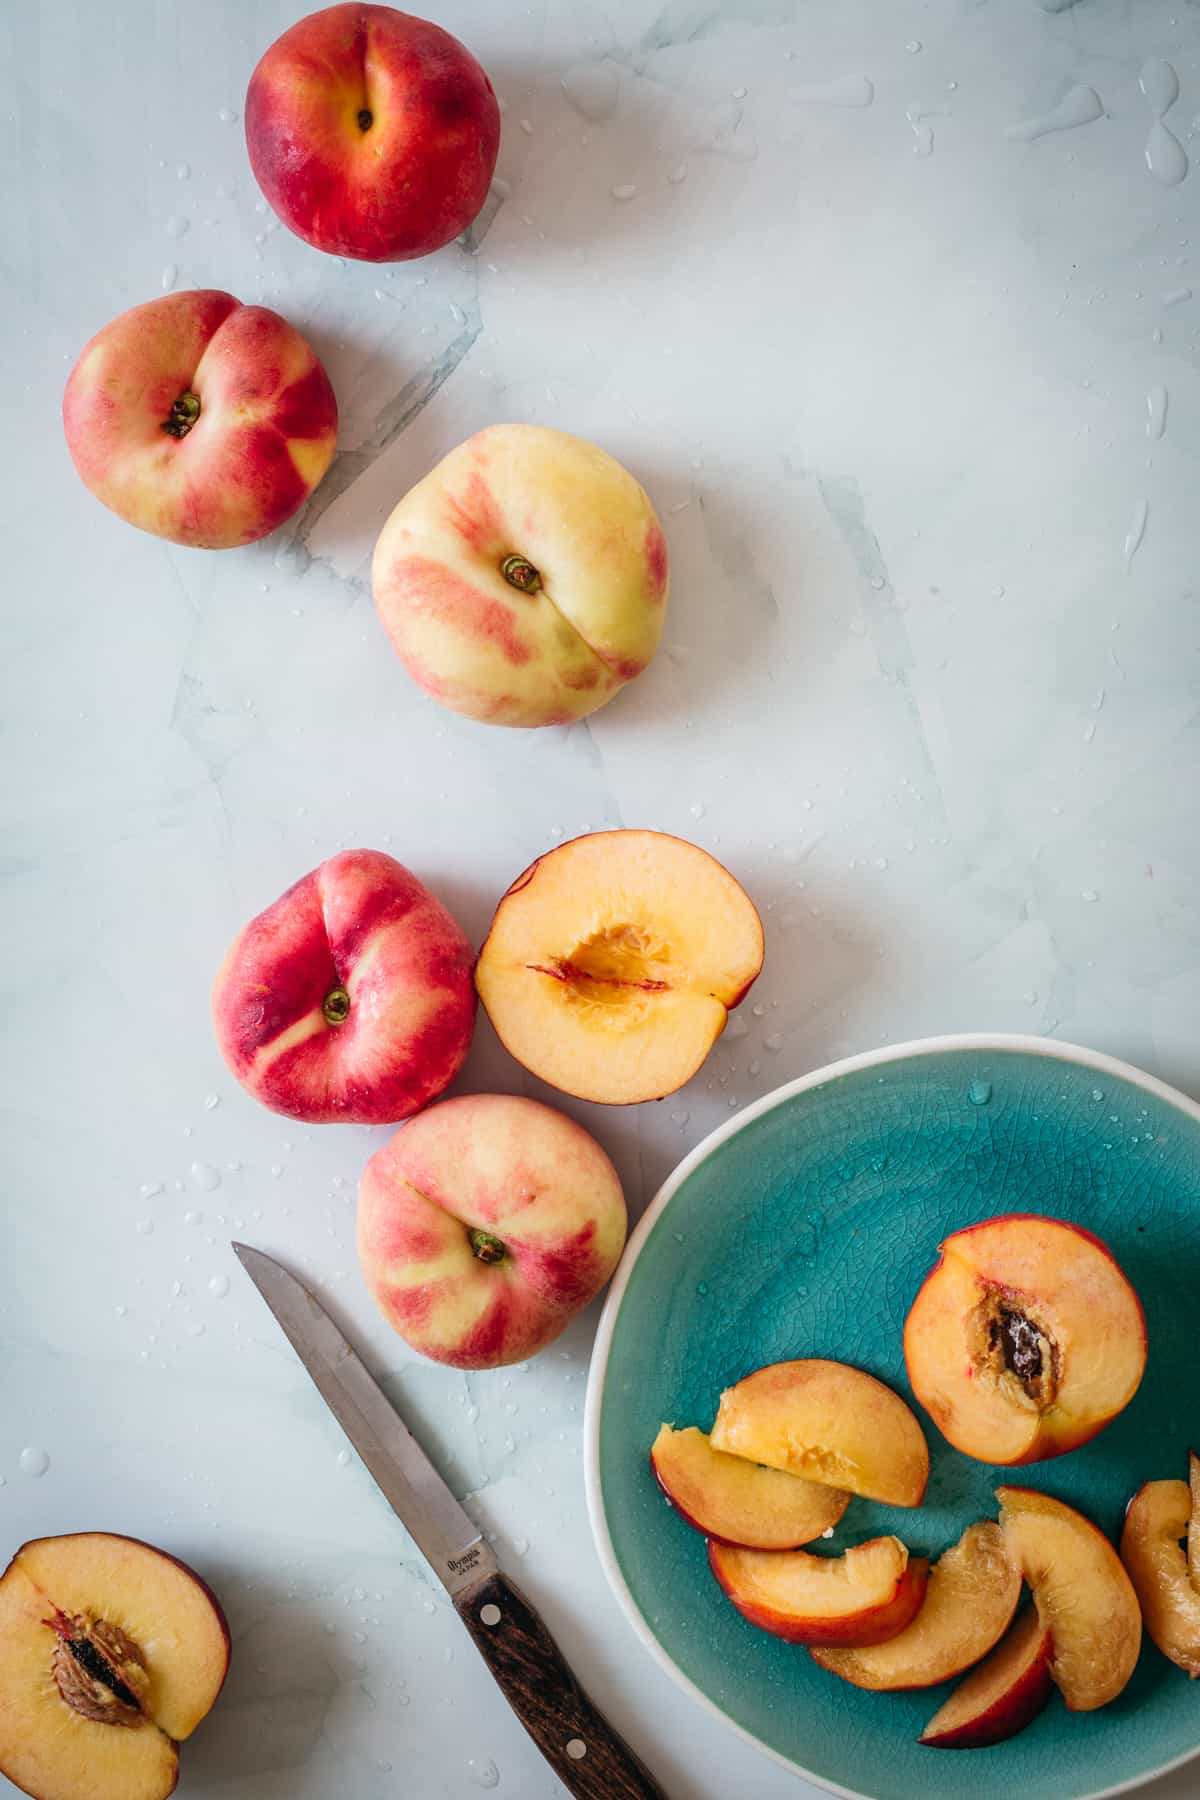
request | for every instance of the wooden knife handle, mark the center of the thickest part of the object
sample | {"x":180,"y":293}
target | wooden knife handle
{"x":584,"y":1751}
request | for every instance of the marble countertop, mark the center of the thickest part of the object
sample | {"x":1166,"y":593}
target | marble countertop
{"x":888,"y":315}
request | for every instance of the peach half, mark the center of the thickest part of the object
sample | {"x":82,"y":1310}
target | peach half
{"x":1025,"y":1340}
{"x":969,"y":1604}
{"x":1159,"y":1515}
{"x":865,"y":1596}
{"x":613,"y":961}
{"x":738,"y":1502}
{"x":830,"y":1423}
{"x":1082,"y":1594}
{"x":110,"y":1652}
{"x":1000,"y":1697}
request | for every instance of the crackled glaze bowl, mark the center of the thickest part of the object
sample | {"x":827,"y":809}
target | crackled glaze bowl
{"x":804,"y":1228}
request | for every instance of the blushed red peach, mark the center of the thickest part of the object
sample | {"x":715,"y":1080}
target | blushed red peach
{"x":485,"y":1225}
{"x":200,"y":419}
{"x":373,"y":134}
{"x":350,"y":999}
{"x":524,"y":580}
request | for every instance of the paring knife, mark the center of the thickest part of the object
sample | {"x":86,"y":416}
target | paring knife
{"x":584,"y":1751}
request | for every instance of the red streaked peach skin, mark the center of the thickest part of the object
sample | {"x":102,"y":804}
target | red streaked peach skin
{"x":485,"y":1225}
{"x":1158,"y":1517}
{"x":373,"y":134}
{"x":262,"y":437}
{"x":1000,"y":1697}
{"x":165,"y":1638}
{"x":738,"y":1502}
{"x":830,"y":1423}
{"x":1082,"y":1593}
{"x":558,"y":514}
{"x":1025,"y":1339}
{"x":969,"y":1604}
{"x":865,"y":1596}
{"x":350,"y":998}
{"x":613,"y":961}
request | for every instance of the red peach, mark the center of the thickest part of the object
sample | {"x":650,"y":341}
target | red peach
{"x":200,"y":419}
{"x":373,"y":134}
{"x":485,"y":1225}
{"x":349,"y":999}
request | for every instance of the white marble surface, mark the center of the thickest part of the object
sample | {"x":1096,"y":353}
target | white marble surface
{"x":893,"y":408}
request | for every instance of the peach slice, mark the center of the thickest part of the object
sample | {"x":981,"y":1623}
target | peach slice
{"x":1025,"y":1340}
{"x":613,"y":961}
{"x":110,"y":1651}
{"x":969,"y":1603}
{"x":1082,"y":1594}
{"x":1193,"y":1536}
{"x":863,"y":1597}
{"x":1158,"y":1517}
{"x":1003,"y":1695}
{"x":830,"y":1423}
{"x":739,"y":1502}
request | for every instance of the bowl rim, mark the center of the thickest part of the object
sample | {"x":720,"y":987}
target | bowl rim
{"x":942,"y":1045}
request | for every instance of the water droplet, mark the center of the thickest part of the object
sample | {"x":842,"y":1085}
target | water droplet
{"x":998,"y":593}
{"x":483,"y":1772}
{"x":429,"y":1607}
{"x":1136,"y":532}
{"x":1176,"y":296}
{"x":923,"y":132}
{"x":276,"y":1170}
{"x":1166,"y":157}
{"x":194,"y":1328}
{"x":697,"y":809}
{"x":177,"y":226}
{"x":521,"y":1546}
{"x":774,"y":1042}
{"x":677,"y":174}
{"x":1088,"y":894}
{"x":680,"y":1118}
{"x":182,"y":171}
{"x":1156,"y":411}
{"x":33,"y":1462}
{"x":193,"y":1218}
{"x":211,"y":1102}
{"x":1077,"y":107}
{"x":145,"y":1227}
{"x":979,"y":1093}
{"x":913,"y":45}
{"x":527,"y":127}
{"x":593,"y":89}
{"x":1097,"y":1093}
{"x":702,"y":1288}
{"x":218,"y":1287}
{"x":725,"y":135}
{"x":847,"y":90}
{"x":343,"y":1458}
{"x":227,"y":115}
{"x":170,"y":276}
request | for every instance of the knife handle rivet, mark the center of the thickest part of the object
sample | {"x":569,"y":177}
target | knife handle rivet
{"x":490,"y":1614}
{"x":576,"y":1749}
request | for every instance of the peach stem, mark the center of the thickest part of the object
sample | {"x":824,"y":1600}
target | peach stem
{"x":519,"y":572}
{"x":336,"y":1006}
{"x":487,"y":1248}
{"x":183,"y":415}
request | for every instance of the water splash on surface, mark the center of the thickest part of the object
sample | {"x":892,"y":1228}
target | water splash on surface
{"x":1079,"y":106}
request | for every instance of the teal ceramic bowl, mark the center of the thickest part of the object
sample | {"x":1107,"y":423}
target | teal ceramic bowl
{"x":804,"y":1228}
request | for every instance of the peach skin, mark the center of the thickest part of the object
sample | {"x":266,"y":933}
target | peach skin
{"x":524,"y":580}
{"x":485,"y":1225}
{"x":349,"y":999}
{"x":372,"y":134}
{"x":199,"y":419}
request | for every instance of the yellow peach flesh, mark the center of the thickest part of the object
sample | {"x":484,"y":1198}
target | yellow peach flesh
{"x":829,"y":1423}
{"x":1154,"y":1560}
{"x":740,"y":1502}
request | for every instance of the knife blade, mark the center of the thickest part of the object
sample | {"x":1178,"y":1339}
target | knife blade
{"x":587,"y":1755}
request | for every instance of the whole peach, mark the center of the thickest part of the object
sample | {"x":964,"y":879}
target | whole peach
{"x":485,"y":1225}
{"x":350,"y":998}
{"x":200,"y":419}
{"x":373,"y":134}
{"x":524,"y":580}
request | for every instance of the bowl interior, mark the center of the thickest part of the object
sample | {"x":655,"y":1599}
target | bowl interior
{"x":807,"y":1233}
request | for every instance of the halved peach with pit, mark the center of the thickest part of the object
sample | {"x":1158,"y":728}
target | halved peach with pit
{"x":999,"y":1698}
{"x":969,"y":1603}
{"x":1082,"y":1594}
{"x":613,"y":961}
{"x":830,"y":1423}
{"x":740,"y":1502}
{"x":1025,"y":1340}
{"x":863,"y":1597}
{"x":110,"y":1651}
{"x":1159,"y":1516}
